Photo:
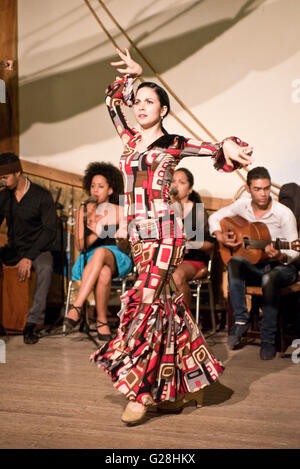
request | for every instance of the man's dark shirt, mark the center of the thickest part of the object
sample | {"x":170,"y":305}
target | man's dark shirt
{"x":31,"y":223}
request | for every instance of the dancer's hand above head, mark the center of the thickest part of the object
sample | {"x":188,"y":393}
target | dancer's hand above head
{"x":233,"y":152}
{"x":132,"y":68}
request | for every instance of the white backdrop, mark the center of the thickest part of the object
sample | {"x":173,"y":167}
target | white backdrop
{"x":234,"y":63}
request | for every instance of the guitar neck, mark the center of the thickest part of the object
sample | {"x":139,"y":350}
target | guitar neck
{"x":261,"y":244}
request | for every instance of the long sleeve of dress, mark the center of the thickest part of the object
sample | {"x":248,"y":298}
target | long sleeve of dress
{"x":215,"y":150}
{"x":120,"y":91}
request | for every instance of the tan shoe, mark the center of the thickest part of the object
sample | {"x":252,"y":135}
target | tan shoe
{"x":176,"y":407}
{"x":133,"y":414}
{"x":171,"y":407}
{"x":197,"y":397}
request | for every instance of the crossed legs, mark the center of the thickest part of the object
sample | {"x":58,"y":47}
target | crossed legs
{"x":102,"y":294}
{"x":97,"y":274}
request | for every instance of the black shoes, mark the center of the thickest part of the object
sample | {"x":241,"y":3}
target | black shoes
{"x":69,"y":324}
{"x":104,"y":337}
{"x":236,"y":333}
{"x":29,"y":334}
{"x":267,"y":351}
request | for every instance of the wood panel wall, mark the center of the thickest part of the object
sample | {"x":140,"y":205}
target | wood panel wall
{"x":9,"y":110}
{"x":74,"y":180}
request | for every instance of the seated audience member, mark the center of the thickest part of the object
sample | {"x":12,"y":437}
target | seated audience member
{"x":199,"y":242}
{"x":31,"y":220}
{"x":278,"y":270}
{"x":104,"y":183}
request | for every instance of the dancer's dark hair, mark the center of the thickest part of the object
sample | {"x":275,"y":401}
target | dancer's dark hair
{"x":167,"y":139}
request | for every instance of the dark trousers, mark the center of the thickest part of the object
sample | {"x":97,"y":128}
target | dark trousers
{"x":271,"y":277}
{"x":43,"y":267}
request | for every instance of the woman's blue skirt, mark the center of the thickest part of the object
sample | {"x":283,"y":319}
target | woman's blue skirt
{"x":124,"y":262}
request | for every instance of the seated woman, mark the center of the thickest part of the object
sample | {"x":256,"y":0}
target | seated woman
{"x":104,"y":183}
{"x":195,"y":226}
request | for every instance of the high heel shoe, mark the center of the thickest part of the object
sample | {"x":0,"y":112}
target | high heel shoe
{"x":176,"y":407}
{"x":197,"y":397}
{"x":133,"y":416}
{"x":171,"y":407}
{"x":105,"y":337}
{"x":69,"y":323}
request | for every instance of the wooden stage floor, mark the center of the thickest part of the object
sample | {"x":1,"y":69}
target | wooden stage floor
{"x":51,"y":396}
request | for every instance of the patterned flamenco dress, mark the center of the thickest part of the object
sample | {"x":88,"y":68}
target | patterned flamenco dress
{"x":159,"y":351}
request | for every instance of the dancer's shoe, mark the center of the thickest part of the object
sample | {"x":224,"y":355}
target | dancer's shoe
{"x":168,"y":407}
{"x":171,"y":407}
{"x":196,"y":397}
{"x":134,"y":415}
{"x":177,"y":406}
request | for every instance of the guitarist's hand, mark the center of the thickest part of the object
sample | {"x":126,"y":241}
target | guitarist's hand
{"x":228,"y":238}
{"x":272,"y":253}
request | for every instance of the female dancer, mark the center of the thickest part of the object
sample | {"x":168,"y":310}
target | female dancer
{"x":104,"y":183}
{"x":199,"y":243}
{"x":159,"y":355}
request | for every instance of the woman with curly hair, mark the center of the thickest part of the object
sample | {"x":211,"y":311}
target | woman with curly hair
{"x":104,"y":183}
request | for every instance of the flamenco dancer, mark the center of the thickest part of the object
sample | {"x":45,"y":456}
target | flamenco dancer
{"x":159,"y":356}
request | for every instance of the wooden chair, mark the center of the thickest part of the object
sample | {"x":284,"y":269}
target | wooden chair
{"x":254,"y":332}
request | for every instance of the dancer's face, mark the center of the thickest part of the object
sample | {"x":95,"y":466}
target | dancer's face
{"x":147,"y":108}
{"x":181,"y":182}
{"x":100,"y":189}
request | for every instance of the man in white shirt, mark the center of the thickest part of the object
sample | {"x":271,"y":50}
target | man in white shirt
{"x":277,"y":271}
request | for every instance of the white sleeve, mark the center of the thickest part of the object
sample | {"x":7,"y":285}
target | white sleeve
{"x":236,"y":208}
{"x":289,"y":233}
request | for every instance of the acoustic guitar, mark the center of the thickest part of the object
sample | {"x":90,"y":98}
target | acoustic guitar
{"x":254,"y":238}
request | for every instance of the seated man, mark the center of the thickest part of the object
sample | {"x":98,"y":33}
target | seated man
{"x":31,"y":220}
{"x":199,"y":242}
{"x":277,"y":271}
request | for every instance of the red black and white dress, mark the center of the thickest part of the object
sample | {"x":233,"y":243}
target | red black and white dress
{"x":159,"y":350}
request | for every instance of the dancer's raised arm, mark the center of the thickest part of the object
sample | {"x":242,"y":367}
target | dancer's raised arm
{"x":230,"y":154}
{"x":121,"y":91}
